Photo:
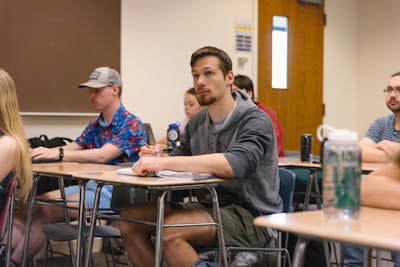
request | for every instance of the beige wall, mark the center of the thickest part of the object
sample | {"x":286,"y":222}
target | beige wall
{"x":159,"y":36}
{"x":361,"y":44}
{"x":341,"y":63}
{"x":379,"y":56}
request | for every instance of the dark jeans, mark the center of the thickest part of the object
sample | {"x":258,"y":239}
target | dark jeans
{"x":354,"y":256}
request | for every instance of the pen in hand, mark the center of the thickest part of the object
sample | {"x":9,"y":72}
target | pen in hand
{"x":153,"y":149}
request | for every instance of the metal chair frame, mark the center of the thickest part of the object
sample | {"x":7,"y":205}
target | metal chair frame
{"x":287,"y":181}
{"x":7,"y":217}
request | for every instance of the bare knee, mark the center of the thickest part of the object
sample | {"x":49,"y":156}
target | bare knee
{"x":48,"y":214}
{"x":142,"y":213}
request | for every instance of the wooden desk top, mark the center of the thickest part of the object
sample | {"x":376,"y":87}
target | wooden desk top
{"x":70,"y":168}
{"x":114,"y":178}
{"x":375,"y":228}
{"x":295,"y":162}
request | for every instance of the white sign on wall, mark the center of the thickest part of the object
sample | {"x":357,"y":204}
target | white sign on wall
{"x":243,"y":37}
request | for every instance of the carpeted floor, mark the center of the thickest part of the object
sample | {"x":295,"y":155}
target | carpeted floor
{"x":99,"y":260}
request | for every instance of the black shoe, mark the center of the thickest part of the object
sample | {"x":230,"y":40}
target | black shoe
{"x":3,"y":254}
{"x":3,"y":257}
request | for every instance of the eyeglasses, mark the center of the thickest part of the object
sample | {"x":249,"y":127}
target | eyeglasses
{"x":390,"y":90}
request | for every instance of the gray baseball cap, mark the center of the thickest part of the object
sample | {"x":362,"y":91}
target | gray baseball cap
{"x":101,"y":77}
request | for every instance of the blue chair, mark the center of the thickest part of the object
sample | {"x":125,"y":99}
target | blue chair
{"x":287,"y":180}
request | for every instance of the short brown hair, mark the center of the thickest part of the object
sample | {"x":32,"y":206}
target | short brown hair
{"x":225,"y":62}
{"x":395,"y":74}
{"x":244,"y":82}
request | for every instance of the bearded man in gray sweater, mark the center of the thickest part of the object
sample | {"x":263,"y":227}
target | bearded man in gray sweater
{"x":232,"y":139}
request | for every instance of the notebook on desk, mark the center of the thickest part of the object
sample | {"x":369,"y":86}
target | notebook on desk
{"x":171,"y":174}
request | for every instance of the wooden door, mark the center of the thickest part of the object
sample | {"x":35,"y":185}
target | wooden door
{"x":299,"y":107}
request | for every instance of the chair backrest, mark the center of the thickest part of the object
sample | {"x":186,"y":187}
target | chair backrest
{"x":287,"y":181}
{"x":150,"y":134}
{"x":7,"y":206}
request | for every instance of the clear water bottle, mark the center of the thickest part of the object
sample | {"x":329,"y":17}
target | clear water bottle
{"x":341,"y":175}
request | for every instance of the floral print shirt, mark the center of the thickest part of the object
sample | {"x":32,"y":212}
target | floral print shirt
{"x":125,"y":131}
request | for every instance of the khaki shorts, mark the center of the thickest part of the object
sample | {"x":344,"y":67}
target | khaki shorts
{"x":237,"y":225}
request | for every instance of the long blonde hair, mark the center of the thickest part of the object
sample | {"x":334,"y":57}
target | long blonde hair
{"x":11,"y":125}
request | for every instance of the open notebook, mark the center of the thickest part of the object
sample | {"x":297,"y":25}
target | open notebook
{"x":172,"y":174}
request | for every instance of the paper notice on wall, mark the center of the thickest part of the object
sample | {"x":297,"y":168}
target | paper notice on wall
{"x":243,"y":35}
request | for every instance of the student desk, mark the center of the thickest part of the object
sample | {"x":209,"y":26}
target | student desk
{"x":163,"y":185}
{"x":312,"y":178}
{"x":62,"y":170}
{"x":375,"y":228}
{"x":366,"y":167}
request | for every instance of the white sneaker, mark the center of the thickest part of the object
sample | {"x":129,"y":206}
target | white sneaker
{"x":210,"y":255}
{"x":244,"y":259}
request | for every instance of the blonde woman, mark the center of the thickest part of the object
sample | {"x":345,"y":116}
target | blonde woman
{"x":14,"y":157}
{"x":13,"y":144}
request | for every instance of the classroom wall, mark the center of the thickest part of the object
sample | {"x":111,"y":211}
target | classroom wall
{"x":361,"y":40}
{"x":341,"y":63}
{"x":379,"y":56}
{"x":158,"y":38}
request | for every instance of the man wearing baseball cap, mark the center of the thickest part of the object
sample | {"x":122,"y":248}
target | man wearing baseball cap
{"x":102,"y":77}
{"x":114,"y":137}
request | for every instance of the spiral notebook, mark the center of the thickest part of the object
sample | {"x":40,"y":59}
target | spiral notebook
{"x":171,"y":174}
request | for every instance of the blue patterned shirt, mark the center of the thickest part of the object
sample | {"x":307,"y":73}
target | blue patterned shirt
{"x":383,"y":129}
{"x":125,"y":131}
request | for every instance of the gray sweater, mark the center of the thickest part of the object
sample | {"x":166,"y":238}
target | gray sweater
{"x":247,"y":141}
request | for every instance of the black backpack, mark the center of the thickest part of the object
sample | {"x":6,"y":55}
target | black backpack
{"x":43,"y":140}
{"x":46,"y":183}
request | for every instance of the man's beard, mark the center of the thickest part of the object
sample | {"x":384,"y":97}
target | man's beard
{"x":205,"y":101}
{"x":395,"y":108}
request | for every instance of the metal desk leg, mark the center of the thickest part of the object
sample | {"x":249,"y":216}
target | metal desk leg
{"x":66,"y":217}
{"x":367,"y":257}
{"x":308,"y":191}
{"x":81,"y":221}
{"x":217,"y":218}
{"x":326,"y":252}
{"x":299,"y":252}
{"x":379,"y":258}
{"x":159,"y":228}
{"x":31,"y":201}
{"x":312,"y":179}
{"x":93,"y":224}
{"x":317,"y":191}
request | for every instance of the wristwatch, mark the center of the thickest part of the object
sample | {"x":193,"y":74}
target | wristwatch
{"x":60,"y":157}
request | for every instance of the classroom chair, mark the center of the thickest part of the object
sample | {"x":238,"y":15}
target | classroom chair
{"x":7,"y":216}
{"x":287,"y":181}
{"x":66,"y":232}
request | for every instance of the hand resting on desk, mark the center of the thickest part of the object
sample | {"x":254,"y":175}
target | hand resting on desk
{"x":44,"y":154}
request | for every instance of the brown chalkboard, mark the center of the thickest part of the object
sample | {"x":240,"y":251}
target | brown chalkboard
{"x":50,"y":46}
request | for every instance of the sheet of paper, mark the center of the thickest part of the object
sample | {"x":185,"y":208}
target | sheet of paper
{"x":171,"y":174}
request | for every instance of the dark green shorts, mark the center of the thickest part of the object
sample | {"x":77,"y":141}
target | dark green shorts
{"x":237,"y":224}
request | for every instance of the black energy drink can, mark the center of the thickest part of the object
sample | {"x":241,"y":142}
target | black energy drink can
{"x":306,"y":147}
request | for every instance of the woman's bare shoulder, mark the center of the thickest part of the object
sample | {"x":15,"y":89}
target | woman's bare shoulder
{"x":7,"y":143}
